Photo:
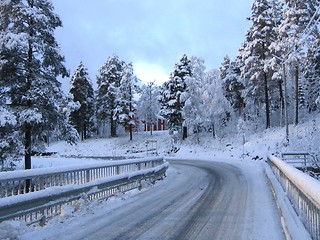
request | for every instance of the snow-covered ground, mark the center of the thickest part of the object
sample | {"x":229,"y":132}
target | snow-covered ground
{"x":245,"y":152}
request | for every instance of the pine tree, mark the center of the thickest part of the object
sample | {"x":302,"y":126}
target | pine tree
{"x":108,"y":82}
{"x":170,"y":94}
{"x":312,"y":75}
{"x":31,"y":62}
{"x":9,"y":139}
{"x":312,"y":61}
{"x":224,"y":68}
{"x":125,"y":110}
{"x":83,"y":93}
{"x":296,"y":17}
{"x":193,"y":98}
{"x":257,"y":55}
{"x":232,"y":87}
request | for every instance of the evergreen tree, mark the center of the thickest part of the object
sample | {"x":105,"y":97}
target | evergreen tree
{"x":257,"y":54}
{"x":108,"y":83}
{"x":125,"y":110}
{"x":194,"y":108}
{"x":312,"y":75}
{"x":232,"y":87}
{"x":312,"y":61}
{"x":10,"y":146}
{"x":170,"y":94}
{"x":296,"y":17}
{"x":30,"y":64}
{"x":83,"y":93}
{"x":224,"y":68}
{"x":148,"y":104}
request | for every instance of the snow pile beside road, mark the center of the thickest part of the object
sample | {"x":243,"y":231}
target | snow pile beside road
{"x":10,"y":230}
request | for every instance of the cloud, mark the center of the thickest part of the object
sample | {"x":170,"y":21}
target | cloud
{"x":150,"y":32}
{"x":148,"y":72}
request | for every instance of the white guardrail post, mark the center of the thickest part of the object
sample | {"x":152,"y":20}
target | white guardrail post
{"x":303,"y":191}
{"x":53,"y":187}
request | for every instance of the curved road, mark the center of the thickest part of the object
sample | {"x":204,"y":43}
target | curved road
{"x":198,"y":200}
{"x":207,"y":201}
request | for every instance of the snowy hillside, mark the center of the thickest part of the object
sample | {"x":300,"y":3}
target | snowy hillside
{"x":257,"y":146}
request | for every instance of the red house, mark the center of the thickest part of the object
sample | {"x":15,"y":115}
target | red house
{"x":157,"y":126}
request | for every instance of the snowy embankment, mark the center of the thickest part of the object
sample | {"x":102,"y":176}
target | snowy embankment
{"x":242,"y":154}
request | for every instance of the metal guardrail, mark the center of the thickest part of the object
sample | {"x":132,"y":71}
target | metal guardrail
{"x":52,"y":190}
{"x":13,"y":183}
{"x":303,"y":160}
{"x":303,"y":191}
{"x":301,"y":157}
{"x":152,"y":147}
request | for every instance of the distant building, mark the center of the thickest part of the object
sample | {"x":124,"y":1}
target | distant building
{"x":135,"y":127}
{"x":159,"y":125}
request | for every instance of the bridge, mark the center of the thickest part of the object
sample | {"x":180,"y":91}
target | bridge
{"x":208,"y":199}
{"x":50,"y":189}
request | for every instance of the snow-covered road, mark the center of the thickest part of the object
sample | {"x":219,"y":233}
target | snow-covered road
{"x":199,"y":200}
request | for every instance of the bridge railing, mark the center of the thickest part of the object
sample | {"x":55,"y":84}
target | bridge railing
{"x":303,"y":191}
{"x":52,"y":188}
{"x":13,"y":183}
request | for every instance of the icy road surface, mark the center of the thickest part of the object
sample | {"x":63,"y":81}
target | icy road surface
{"x":202,"y":200}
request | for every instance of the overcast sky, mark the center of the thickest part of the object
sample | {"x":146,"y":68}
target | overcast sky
{"x":152,"y":34}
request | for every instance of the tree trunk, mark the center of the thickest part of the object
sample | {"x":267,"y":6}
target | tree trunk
{"x":284,"y":76}
{"x":213,"y":131}
{"x":27,"y":147}
{"x":266,"y":89}
{"x":130,"y":130}
{"x":82,"y":135}
{"x":297,"y":94}
{"x":266,"y":95}
{"x":27,"y":154}
{"x":28,"y":128}
{"x":184,"y":133}
{"x":151,"y":125}
{"x":113,"y":127}
{"x":281,"y":101}
{"x":84,"y":130}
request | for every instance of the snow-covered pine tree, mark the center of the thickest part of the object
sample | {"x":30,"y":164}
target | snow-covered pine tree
{"x":232,"y":86}
{"x":312,"y":61}
{"x":108,"y":82}
{"x":10,"y":144}
{"x":217,"y":110}
{"x":224,"y":68}
{"x":82,"y":91}
{"x":296,"y":17}
{"x":194,"y":108}
{"x":148,"y":104}
{"x":125,"y":103}
{"x":171,"y":103}
{"x":312,"y":75}
{"x":30,"y":63}
{"x":257,"y":55}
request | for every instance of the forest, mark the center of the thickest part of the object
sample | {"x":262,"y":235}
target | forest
{"x":273,"y":81}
